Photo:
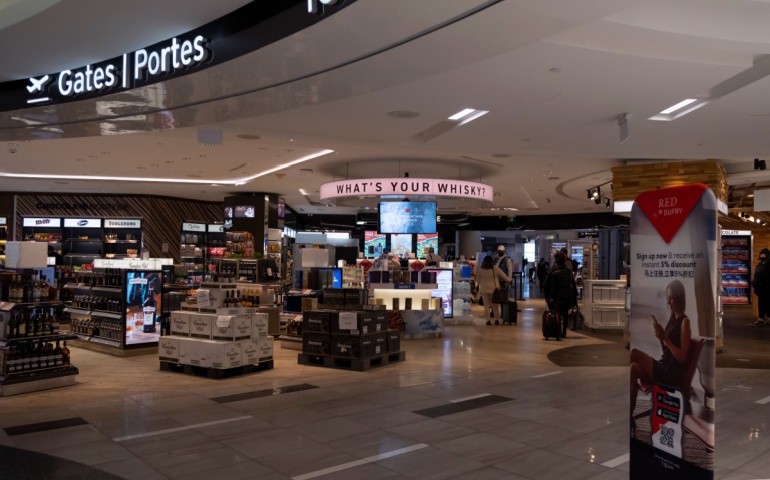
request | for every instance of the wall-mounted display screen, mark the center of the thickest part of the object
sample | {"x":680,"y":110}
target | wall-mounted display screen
{"x":228,"y":212}
{"x":401,"y":245}
{"x":374,"y":243}
{"x":407,"y":217}
{"x":244,"y":211}
{"x":143,"y":306}
{"x":424,"y":241}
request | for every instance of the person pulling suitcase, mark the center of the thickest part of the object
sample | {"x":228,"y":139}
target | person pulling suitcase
{"x":560,"y":290}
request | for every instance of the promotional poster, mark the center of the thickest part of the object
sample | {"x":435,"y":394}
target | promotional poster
{"x":374,"y":243}
{"x":672,"y":328}
{"x":425,"y":241}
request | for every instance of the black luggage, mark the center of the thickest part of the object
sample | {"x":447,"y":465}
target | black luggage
{"x":575,"y":319}
{"x":551,"y":325}
{"x":509,"y":312}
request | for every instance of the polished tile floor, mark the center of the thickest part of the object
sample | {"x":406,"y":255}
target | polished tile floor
{"x":430,"y":417}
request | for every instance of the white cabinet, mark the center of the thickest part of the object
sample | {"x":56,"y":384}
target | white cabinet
{"x":604,"y":304}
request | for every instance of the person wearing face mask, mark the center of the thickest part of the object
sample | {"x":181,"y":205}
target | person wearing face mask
{"x":761,"y":286}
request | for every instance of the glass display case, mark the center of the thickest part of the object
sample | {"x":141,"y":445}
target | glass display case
{"x":736,"y":267}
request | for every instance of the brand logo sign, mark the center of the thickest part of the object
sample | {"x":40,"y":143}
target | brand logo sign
{"x":194,"y":227}
{"x":119,"y":223}
{"x":736,"y":233}
{"x":140,"y":66}
{"x":216,"y":228}
{"x":41,"y":222}
{"x":407,"y":186}
{"x":83,"y":222}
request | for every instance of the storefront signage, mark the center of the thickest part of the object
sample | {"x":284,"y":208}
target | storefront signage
{"x":133,"y":263}
{"x":3,"y":220}
{"x":673,"y":326}
{"x":317,"y":6}
{"x":81,"y":206}
{"x":194,"y":227}
{"x":247,"y":29}
{"x":83,"y":223}
{"x":407,"y":187}
{"x":41,"y":222}
{"x":139,"y":65}
{"x":216,"y":228}
{"x":122,"y":223}
{"x":404,"y":286}
{"x":736,"y":233}
{"x":588,"y":234}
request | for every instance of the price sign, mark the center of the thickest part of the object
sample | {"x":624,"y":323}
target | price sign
{"x":204,"y":300}
{"x":348,"y":320}
{"x":223,"y":321}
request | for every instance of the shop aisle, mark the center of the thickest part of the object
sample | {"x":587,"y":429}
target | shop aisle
{"x":481,"y":402}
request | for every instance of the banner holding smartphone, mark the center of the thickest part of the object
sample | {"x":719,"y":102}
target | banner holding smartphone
{"x":674,"y":266}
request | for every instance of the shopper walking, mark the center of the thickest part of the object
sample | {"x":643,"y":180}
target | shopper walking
{"x":560,"y":290}
{"x":542,"y":273}
{"x":488,"y":278}
{"x":432,"y":259}
{"x":761,"y":286}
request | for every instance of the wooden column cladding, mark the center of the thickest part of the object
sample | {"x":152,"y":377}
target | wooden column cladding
{"x":630,"y":180}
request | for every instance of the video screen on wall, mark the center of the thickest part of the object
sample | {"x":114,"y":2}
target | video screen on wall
{"x":401,"y":244}
{"x":374,"y":243}
{"x":407,"y":217}
{"x":424,"y":241}
{"x":244,"y":211}
{"x":143,"y":306}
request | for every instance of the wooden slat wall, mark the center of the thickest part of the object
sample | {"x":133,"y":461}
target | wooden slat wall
{"x":162,"y":217}
{"x":630,"y":180}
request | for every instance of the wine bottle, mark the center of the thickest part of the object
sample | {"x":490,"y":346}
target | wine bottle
{"x":57,"y":355}
{"x":65,"y":354}
{"x":148,"y":308}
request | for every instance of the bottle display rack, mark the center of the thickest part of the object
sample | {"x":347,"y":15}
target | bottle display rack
{"x":736,"y":269}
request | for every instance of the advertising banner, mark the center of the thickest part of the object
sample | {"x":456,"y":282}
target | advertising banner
{"x":672,"y":327}
{"x":424,"y":241}
{"x":374,"y":243}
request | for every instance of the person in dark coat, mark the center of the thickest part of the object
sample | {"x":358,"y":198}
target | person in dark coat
{"x":542,"y":273}
{"x":761,"y":286}
{"x":560,"y":290}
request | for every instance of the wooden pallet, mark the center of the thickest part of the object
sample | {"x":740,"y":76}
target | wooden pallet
{"x":347,"y":363}
{"x":215,"y":373}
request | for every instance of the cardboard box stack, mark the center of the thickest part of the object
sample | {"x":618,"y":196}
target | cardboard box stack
{"x":222,"y":340}
{"x":348,"y":334}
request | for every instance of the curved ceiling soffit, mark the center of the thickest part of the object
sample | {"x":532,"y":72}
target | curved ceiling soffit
{"x":282,"y":83}
{"x":560,"y":187}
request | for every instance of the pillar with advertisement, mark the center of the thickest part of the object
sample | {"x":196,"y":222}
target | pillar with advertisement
{"x":674,"y":268}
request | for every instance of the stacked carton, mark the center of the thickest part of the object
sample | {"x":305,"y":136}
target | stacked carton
{"x":219,"y":341}
{"x":347,"y":334}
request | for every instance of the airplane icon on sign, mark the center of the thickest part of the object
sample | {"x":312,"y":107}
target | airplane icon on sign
{"x":37,"y":84}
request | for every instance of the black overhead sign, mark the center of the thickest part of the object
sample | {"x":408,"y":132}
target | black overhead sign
{"x":243,"y":31}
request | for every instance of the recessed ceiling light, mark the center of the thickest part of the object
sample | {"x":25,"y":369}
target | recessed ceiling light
{"x":553,"y":178}
{"x":403,"y":114}
{"x":680,"y":109}
{"x":302,"y":191}
{"x":291,"y":139}
{"x":467,"y":115}
{"x":248,"y":136}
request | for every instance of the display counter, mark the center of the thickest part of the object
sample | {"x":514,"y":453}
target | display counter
{"x":415,"y":309}
{"x":604,"y":304}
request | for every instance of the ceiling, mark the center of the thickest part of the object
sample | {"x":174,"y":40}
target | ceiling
{"x":555,"y":75}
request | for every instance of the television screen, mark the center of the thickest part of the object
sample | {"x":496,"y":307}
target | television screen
{"x":244,"y":211}
{"x":374,"y":243}
{"x":426,"y":241}
{"x":407,"y":217}
{"x":401,"y":245}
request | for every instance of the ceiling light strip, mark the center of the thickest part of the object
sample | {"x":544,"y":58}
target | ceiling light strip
{"x":237,"y":182}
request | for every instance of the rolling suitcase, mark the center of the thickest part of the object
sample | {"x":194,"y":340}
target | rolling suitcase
{"x":551,"y":325}
{"x":509,"y":312}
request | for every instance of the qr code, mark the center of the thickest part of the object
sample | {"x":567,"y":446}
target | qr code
{"x":667,"y":436}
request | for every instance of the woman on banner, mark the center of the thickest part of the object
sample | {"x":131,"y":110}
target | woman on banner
{"x":674,"y":339}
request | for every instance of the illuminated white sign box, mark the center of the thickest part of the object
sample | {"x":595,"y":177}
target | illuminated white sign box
{"x":122,"y":223}
{"x":41,"y":222}
{"x":83,"y":223}
{"x":407,"y":187}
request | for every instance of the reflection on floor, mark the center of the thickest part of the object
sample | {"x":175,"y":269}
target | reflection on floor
{"x":520,"y":416}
